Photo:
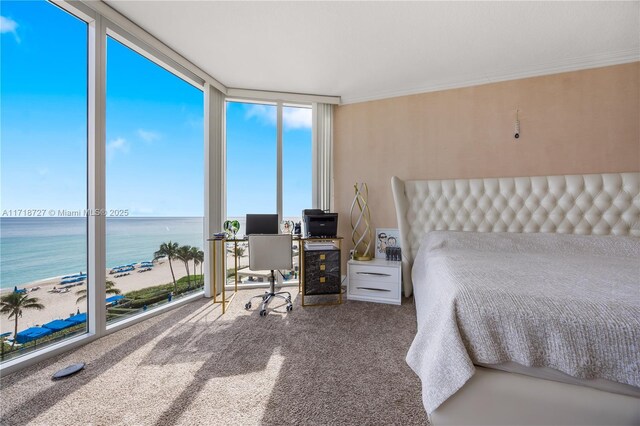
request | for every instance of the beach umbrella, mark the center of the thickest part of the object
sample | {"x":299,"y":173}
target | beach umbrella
{"x":77,"y":319}
{"x":31,"y":334}
{"x":57,"y":325}
{"x":114,"y":299}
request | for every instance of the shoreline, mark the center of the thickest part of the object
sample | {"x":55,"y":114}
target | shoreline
{"x":60,"y":305}
{"x":53,"y":280}
{"x":29,"y":285}
{"x":63,"y":304}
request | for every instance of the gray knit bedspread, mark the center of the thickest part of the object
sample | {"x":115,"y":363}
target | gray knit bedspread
{"x":567,"y":302}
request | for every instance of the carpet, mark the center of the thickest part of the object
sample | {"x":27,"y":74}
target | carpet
{"x":333,"y":365}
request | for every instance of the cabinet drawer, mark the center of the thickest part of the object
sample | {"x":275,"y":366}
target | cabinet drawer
{"x":377,"y":274}
{"x":322,"y":273}
{"x":374,"y":288}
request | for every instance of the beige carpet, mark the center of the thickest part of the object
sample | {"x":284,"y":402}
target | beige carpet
{"x":318,"y":365}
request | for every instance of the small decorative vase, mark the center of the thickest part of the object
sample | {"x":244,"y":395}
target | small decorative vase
{"x":231,"y":227}
{"x":361,"y":234}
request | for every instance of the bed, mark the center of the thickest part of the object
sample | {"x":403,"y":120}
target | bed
{"x":527,"y":295}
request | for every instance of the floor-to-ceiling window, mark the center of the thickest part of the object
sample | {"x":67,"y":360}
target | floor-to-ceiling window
{"x":297,"y":167}
{"x":252,"y":146}
{"x":43,"y":145}
{"x":251,"y":160}
{"x":154,"y":184}
{"x":297,"y":158}
{"x":66,"y":146}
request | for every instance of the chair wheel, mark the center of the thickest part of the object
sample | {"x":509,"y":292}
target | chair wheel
{"x":263,"y":313}
{"x":247,"y":305}
{"x":289,"y":308}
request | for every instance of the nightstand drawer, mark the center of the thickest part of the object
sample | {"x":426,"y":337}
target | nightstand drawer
{"x":374,"y":288}
{"x":374,"y":274}
{"x":377,"y":280}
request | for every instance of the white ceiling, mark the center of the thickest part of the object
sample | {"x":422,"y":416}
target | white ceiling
{"x":371,"y":50}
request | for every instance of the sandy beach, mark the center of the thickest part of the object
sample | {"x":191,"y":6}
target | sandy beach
{"x":61,"y":305}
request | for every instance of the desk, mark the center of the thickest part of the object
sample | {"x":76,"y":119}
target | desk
{"x":223,"y":242}
{"x":301,"y":262}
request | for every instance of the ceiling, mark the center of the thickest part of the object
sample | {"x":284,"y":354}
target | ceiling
{"x":370,"y":50}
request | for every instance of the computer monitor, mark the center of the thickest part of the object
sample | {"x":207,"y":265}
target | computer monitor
{"x":262,"y":224}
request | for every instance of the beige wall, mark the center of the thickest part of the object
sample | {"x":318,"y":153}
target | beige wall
{"x":577,"y":122}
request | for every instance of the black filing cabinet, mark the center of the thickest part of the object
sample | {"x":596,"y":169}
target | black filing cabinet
{"x":322,"y":272}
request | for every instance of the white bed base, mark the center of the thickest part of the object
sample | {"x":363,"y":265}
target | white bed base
{"x":493,"y":397}
{"x":600,"y":204}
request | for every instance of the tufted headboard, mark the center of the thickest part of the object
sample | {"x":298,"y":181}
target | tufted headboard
{"x":602,"y":204}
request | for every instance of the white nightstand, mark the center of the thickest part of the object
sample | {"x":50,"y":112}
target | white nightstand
{"x":377,"y":280}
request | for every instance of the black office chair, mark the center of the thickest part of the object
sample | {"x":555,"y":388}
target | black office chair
{"x":270,"y":252}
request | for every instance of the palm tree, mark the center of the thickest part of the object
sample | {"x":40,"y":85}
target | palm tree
{"x":109,"y":289}
{"x":201,"y":260}
{"x":13,"y":304}
{"x":198,"y":258}
{"x":169,"y":250}
{"x":184,"y":253}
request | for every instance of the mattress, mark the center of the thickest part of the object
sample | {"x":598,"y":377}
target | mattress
{"x":568,"y":303}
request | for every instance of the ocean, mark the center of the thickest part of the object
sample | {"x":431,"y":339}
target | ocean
{"x":33,"y":249}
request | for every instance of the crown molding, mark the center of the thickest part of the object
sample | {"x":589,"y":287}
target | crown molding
{"x":267,"y":95}
{"x":573,"y":64}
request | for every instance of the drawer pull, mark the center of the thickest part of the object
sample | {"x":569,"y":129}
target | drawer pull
{"x":375,"y":274}
{"x":372,"y":289}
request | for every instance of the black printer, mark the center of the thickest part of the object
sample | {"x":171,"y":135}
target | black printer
{"x":317,"y":223}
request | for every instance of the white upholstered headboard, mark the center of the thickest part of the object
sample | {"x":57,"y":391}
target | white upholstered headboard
{"x":602,"y":204}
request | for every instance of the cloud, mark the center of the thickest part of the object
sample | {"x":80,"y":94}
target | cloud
{"x":293,"y":118}
{"x":148,"y":136}
{"x":266,"y":114}
{"x":296,"y":118}
{"x":117,"y":145}
{"x":9,"y":26}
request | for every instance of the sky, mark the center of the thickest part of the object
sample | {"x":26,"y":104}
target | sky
{"x":155,"y":129}
{"x":251,"y":159}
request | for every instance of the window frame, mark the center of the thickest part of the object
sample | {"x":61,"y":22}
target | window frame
{"x":87,"y":16}
{"x":102,"y":21}
{"x":130,"y":41}
{"x":280,"y":105}
{"x":98,"y":28}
